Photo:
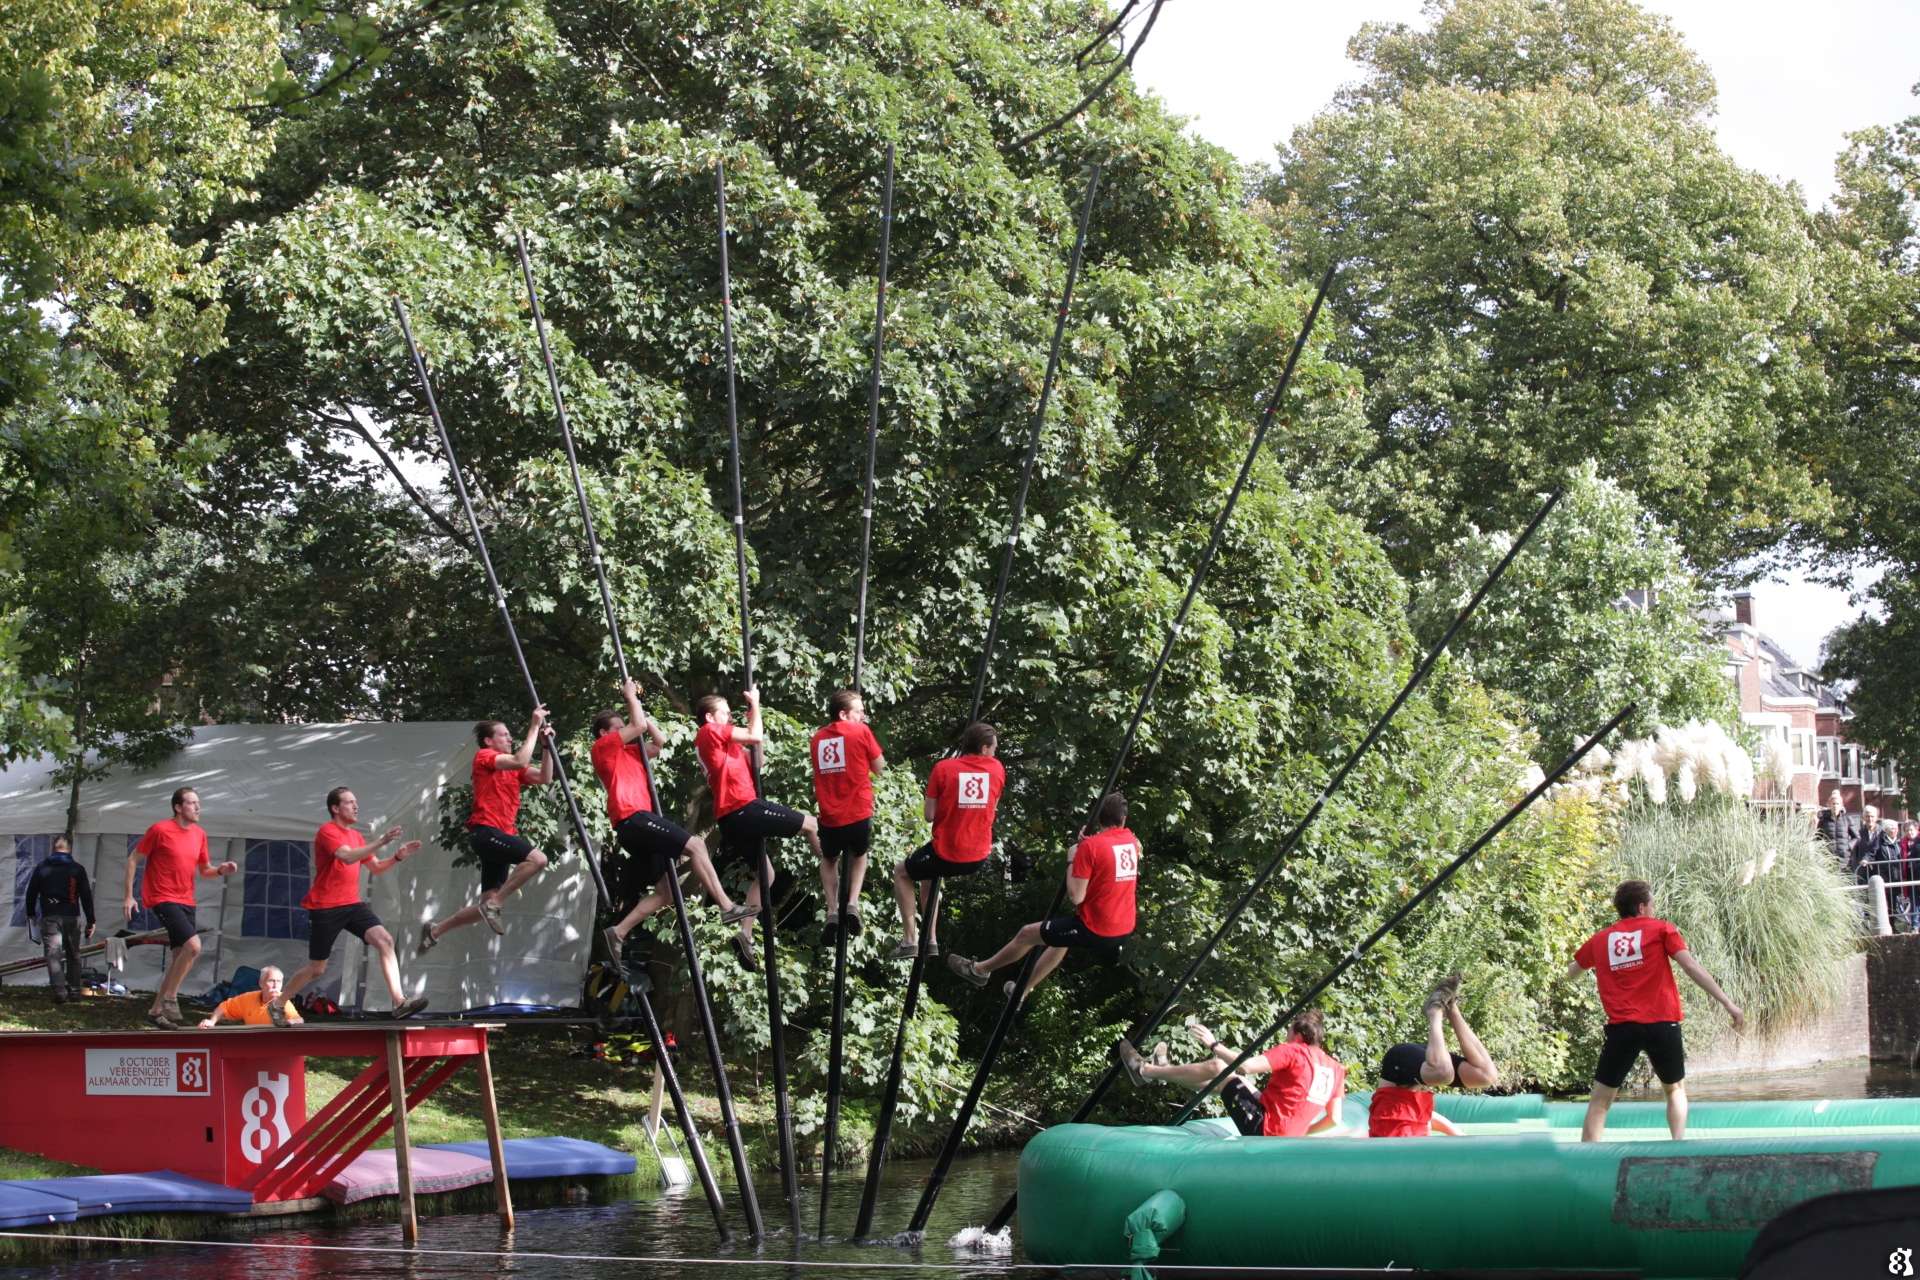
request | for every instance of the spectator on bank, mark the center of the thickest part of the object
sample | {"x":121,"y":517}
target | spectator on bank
{"x":1873,"y":846}
{"x":1837,"y":828}
{"x":58,"y":893}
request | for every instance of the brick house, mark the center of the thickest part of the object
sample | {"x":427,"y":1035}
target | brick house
{"x":1786,"y":702}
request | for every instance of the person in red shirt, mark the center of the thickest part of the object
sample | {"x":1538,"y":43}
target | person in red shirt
{"x":174,"y":851}
{"x":1409,"y":1073}
{"x":1304,"y":1089}
{"x":507,"y":859}
{"x":746,"y":821}
{"x":963,"y":794}
{"x":846,"y":759}
{"x":334,"y":906}
{"x":1630,"y":960}
{"x":1100,"y":885}
{"x":652,"y":843}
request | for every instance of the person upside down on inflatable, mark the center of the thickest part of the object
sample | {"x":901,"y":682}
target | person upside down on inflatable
{"x":1304,"y":1089}
{"x":1409,"y":1073}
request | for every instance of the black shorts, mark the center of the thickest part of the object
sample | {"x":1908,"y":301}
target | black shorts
{"x":854,"y":839}
{"x":1627,"y":1040}
{"x":177,"y":919}
{"x":324,"y":924}
{"x":653,"y":843}
{"x":1243,"y":1106}
{"x":924,"y":864}
{"x":760,"y":820}
{"x":1068,"y":931}
{"x":500,"y":852}
{"x":1402,"y":1063}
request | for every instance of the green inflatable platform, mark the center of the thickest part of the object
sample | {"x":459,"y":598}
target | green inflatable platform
{"x":1519,"y":1193}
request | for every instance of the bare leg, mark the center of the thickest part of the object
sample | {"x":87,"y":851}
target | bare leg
{"x":830,"y":884}
{"x":753,"y":896}
{"x":858,"y":870}
{"x":1195,"y":1075}
{"x":703,"y":872}
{"x":1478,"y":1071}
{"x":1024,"y":941}
{"x":382,"y":943}
{"x":810,"y":828}
{"x":1049,"y":961}
{"x":903,"y":893}
{"x":1597,"y":1106}
{"x":662,"y":894}
{"x":460,"y":919}
{"x":183,"y":957}
{"x":1438,"y":1067}
{"x":529,"y":867}
{"x":1677,"y":1109}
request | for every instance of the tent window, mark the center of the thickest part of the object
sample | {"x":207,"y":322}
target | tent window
{"x":28,"y":853}
{"x":278,"y":873}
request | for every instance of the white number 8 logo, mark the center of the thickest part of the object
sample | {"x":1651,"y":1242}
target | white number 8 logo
{"x":1900,"y":1262}
{"x":191,"y":1073}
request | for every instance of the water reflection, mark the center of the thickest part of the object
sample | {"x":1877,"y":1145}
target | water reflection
{"x":1851,"y":1078}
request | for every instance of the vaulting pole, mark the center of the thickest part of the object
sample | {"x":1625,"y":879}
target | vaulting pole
{"x":782,"y":1103}
{"x":729,"y":1119}
{"x":890,"y":1097}
{"x":1353,"y":957}
{"x":836,"y":1044}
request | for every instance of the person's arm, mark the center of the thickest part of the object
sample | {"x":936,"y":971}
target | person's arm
{"x":1256,"y":1065}
{"x":1575,"y":968}
{"x":1704,"y":980}
{"x":1443,"y":1125}
{"x":1329,"y":1121}
{"x":931,"y":808}
{"x":33,"y":892}
{"x":753,"y":734}
{"x":380,"y":866}
{"x":133,"y":871}
{"x":350,"y":856}
{"x":211,"y":1020}
{"x":544,"y":774}
{"x":879,"y":766}
{"x":522,"y":758}
{"x":208,"y":871}
{"x":85,"y":888}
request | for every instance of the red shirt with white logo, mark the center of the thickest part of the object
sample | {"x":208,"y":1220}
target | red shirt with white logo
{"x":172,"y":856}
{"x":496,"y":792}
{"x":617,"y":764}
{"x":725,"y":762}
{"x":843,"y":754}
{"x":1110,"y":864}
{"x":966,"y":793}
{"x":1303,"y":1081}
{"x":335,"y":883}
{"x":1630,"y":958}
{"x":1399,"y":1112}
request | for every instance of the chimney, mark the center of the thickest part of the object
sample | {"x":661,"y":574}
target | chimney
{"x":1743,"y":609}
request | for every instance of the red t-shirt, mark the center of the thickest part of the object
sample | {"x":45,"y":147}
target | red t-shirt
{"x":966,"y":792}
{"x":618,"y":766}
{"x":1631,"y":961}
{"x":725,"y":762}
{"x":1399,"y":1112}
{"x":335,"y":883}
{"x":843,"y":754}
{"x":1110,"y":864}
{"x":172,"y":857}
{"x":496,"y":792}
{"x":1302,"y":1081}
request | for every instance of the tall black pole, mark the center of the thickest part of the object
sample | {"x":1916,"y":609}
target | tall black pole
{"x":729,"y":1118}
{"x":782,"y":1103}
{"x":836,"y":1043}
{"x":890,"y":1096}
{"x":1352,"y":957}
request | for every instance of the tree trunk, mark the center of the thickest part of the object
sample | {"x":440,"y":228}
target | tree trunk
{"x":80,"y":748}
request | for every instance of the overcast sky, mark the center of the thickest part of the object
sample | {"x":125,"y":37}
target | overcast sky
{"x":1795,"y":77}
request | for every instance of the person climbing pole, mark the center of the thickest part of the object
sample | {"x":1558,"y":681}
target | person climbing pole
{"x":963,"y":795}
{"x":1409,"y":1073}
{"x":1100,"y":885}
{"x":746,"y":821}
{"x":846,"y":759}
{"x":507,"y":859}
{"x":1303,"y":1092}
{"x":175,"y":852}
{"x":1632,"y":961}
{"x":652,"y":843}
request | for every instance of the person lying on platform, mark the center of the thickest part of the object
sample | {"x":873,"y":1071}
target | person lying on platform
{"x":1409,"y":1073}
{"x":1630,"y":960}
{"x":1304,"y":1089}
{"x":252,"y":1007}
{"x":59,"y":895}
{"x":174,"y":850}
{"x":963,"y":794}
{"x":652,"y":843}
{"x":746,"y":821}
{"x":334,"y":905}
{"x":507,"y":859}
{"x":1100,"y":885}
{"x":846,"y":759}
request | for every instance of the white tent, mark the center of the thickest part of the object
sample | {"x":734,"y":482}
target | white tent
{"x":263,"y":796}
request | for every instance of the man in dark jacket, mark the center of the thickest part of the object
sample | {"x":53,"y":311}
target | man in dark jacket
{"x":59,"y":894}
{"x":1874,"y":848}
{"x":1837,"y":827}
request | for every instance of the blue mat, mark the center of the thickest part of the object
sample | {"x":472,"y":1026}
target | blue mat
{"x":162,"y":1192}
{"x":549,"y":1157}
{"x":26,"y":1206}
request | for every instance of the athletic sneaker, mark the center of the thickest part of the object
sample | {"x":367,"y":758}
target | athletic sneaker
{"x":933,"y":948}
{"x":1161,"y":1058}
{"x":905,"y":951}
{"x":491,"y":914}
{"x":614,"y":944}
{"x":162,"y":1021}
{"x":737,"y":912}
{"x":853,"y":921}
{"x":830,"y":931}
{"x":1445,"y":992}
{"x":427,"y":941}
{"x":1007,"y":991}
{"x":1130,"y":1059}
{"x":172,"y":1005}
{"x":964,"y":967}
{"x":277,"y":1013}
{"x":743,"y":947}
{"x":407,"y":1008}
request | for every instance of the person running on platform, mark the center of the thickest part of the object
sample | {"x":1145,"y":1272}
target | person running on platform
{"x":963,"y":795}
{"x":334,"y":905}
{"x":1630,"y":959}
{"x":251,"y":1008}
{"x":1409,"y":1073}
{"x":507,"y":859}
{"x":846,"y":759}
{"x":59,"y":895}
{"x":746,"y":821}
{"x":652,"y":842}
{"x":174,"y":850}
{"x":1304,"y":1089}
{"x":1100,"y":885}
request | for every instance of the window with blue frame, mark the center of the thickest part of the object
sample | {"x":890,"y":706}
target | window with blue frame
{"x":277,"y":875}
{"x":28,"y":853}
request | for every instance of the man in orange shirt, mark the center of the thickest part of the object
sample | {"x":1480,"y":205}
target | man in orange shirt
{"x":175,"y":851}
{"x":251,"y":1007}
